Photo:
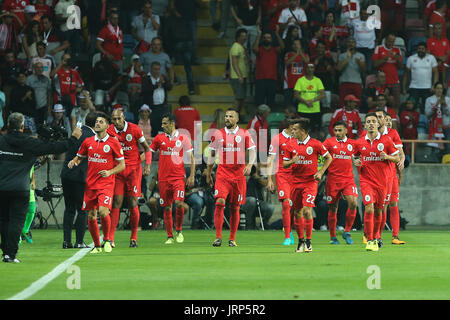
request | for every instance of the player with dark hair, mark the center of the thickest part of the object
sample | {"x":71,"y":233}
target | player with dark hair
{"x":128,"y":182}
{"x":230,"y":143}
{"x":102,"y":152}
{"x":340,"y":181}
{"x":376,"y":151}
{"x":172,"y":148}
{"x":302,"y":154}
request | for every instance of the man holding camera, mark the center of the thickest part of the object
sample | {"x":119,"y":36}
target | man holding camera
{"x":18,"y":153}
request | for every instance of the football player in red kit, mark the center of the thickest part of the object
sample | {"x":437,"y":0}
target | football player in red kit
{"x":102,"y":152}
{"x":340,"y":180}
{"x":230,"y":143}
{"x":172,"y":148}
{"x":128,"y":182}
{"x":302,"y":154}
{"x":376,"y":151}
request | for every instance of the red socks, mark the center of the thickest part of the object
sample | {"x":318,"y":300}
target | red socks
{"x":299,"y":226}
{"x":95,"y":233}
{"x":368,"y":225}
{"x":134,"y":222}
{"x":309,"y":228}
{"x":168,"y":222}
{"x":218,"y":219}
{"x":332,"y":221}
{"x":115,"y":215}
{"x":286,"y":218}
{"x":106,"y":224}
{"x":179,"y":216}
{"x":395,"y":220}
{"x":234,"y":221}
{"x":349,"y":219}
{"x":376,"y":225}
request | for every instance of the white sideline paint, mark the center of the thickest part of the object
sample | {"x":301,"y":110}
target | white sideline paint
{"x":49,"y":277}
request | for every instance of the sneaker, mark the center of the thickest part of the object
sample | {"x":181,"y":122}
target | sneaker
{"x":364,"y":239}
{"x":375,"y":245}
{"x":11,"y":260}
{"x":232,"y":243}
{"x":107,"y":246}
{"x":380,"y":243}
{"x":217,"y":242}
{"x":334,"y":240}
{"x":300,"y":246}
{"x":81,"y":245}
{"x":67,"y":245}
{"x":396,"y":240}
{"x":27,"y":237}
{"x":96,"y":250}
{"x":308,"y":246}
{"x":323,"y":228}
{"x":347,"y":237}
{"x":133,"y":244}
{"x":221,"y":35}
{"x":5,"y":257}
{"x":287,"y":242}
{"x":169,"y":241}
{"x":179,"y":237}
{"x":369,"y":246}
{"x":292,"y":239}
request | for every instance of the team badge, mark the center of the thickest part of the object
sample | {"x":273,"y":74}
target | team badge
{"x":271,"y":148}
{"x":329,"y":198}
{"x":216,"y":192}
{"x":281,"y":193}
{"x":367,"y":198}
{"x":84,"y":206}
{"x":238,"y":139}
{"x":309,"y":150}
{"x":178,"y":143}
{"x":349,"y":147}
{"x":380,"y":147}
{"x":129,"y":137}
{"x":161,"y":201}
{"x":106,"y":148}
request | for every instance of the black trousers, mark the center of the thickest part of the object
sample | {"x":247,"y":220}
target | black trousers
{"x":73,"y":200}
{"x":158,"y":111}
{"x":13,"y":211}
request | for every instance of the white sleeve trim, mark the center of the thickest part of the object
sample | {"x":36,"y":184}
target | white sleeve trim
{"x":396,"y":152}
{"x":141,"y":139}
{"x":118,"y":159}
{"x":80,"y":156}
{"x":251,"y":147}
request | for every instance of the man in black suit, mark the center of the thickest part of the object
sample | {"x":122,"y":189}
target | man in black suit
{"x":73,"y":183}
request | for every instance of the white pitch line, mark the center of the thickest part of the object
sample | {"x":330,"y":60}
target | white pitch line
{"x":42,"y":282}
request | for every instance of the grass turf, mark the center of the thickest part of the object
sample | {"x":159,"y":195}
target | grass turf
{"x":260,"y":268}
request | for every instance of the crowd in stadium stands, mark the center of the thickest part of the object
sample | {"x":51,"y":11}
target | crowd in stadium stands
{"x":324,"y":57}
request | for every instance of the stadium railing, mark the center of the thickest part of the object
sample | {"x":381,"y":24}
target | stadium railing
{"x":434,"y":144}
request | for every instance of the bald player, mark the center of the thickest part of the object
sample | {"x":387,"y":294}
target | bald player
{"x":128,"y":182}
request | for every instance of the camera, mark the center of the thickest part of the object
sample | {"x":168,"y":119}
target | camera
{"x":52,"y":133}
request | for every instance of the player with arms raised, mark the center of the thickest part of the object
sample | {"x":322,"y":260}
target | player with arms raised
{"x":340,"y":180}
{"x":102,"y":152}
{"x":128,"y":182}
{"x":302,"y":154}
{"x":172,"y":147}
{"x":231,"y":144}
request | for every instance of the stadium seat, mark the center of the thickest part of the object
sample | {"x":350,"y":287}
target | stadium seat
{"x":422,"y":127}
{"x":446,"y":159}
{"x":275,"y":119}
{"x":362,"y":116}
{"x":326,"y":118}
{"x":96,"y":58}
{"x":129,"y":43}
{"x":413,"y":42}
{"x":413,"y":23}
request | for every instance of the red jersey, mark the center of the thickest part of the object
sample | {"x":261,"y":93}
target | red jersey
{"x":409,"y":121}
{"x":341,"y":151}
{"x":231,"y":146}
{"x":438,"y":47}
{"x":276,"y":15}
{"x":435,"y":16}
{"x":257,"y":124}
{"x":101,"y":155}
{"x":308,"y":152}
{"x":389,"y":111}
{"x":186,"y":117}
{"x":112,"y":41}
{"x":373,"y":170}
{"x":266,"y":63}
{"x":17,"y":7}
{"x":393,"y":134}
{"x":278,"y":150}
{"x":130,"y":138}
{"x":351,"y":118}
{"x":43,"y":9}
{"x":390,"y":66}
{"x":293,"y":71}
{"x":171,"y":155}
{"x":66,"y":83}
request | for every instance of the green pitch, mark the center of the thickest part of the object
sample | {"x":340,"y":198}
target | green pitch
{"x":260,"y":268}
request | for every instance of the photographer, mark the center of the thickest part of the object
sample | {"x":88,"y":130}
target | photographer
{"x":18,"y":153}
{"x":73,"y":183}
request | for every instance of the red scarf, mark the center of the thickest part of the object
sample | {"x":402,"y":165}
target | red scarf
{"x":117,"y":33}
{"x":436,"y":123}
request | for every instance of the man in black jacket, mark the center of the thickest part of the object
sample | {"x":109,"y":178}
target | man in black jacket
{"x":73,"y":183}
{"x":18,"y":153}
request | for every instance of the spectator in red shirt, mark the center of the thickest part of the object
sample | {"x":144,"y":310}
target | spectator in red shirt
{"x":438,"y":15}
{"x":16,"y":7}
{"x":9,"y":32}
{"x":377,"y":88}
{"x":295,"y":64}
{"x":388,"y":58}
{"x":186,"y":116}
{"x":317,"y":36}
{"x":42,"y":8}
{"x":274,"y":10}
{"x":258,"y":127}
{"x":409,"y":120}
{"x":381,"y":103}
{"x":333,"y":33}
{"x":350,"y":115}
{"x":392,"y":15}
{"x":266,"y":66}
{"x":439,"y":46}
{"x":325,"y":67}
{"x":110,"y":40}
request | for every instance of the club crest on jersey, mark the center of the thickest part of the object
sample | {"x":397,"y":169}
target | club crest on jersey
{"x":281,"y":193}
{"x":349,"y":147}
{"x":329,"y":198}
{"x":161,"y":201}
{"x":129,"y":137}
{"x":238,"y":139}
{"x":271,"y":148}
{"x":367,"y":198}
{"x":178,"y":143}
{"x":309,"y":150}
{"x":380,"y":147}
{"x":216,"y":192}
{"x":106,"y":148}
